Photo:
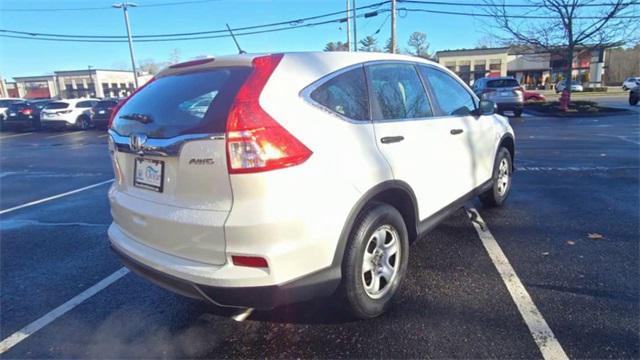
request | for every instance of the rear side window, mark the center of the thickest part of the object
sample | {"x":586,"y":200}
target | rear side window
{"x":18,"y":106}
{"x":500,"y":83}
{"x":57,"y":105}
{"x":397,"y":92}
{"x":345,"y":94}
{"x":85,"y":104}
{"x":191,"y":103}
{"x":452,"y":97}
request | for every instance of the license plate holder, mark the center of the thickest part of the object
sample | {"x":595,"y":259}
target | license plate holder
{"x":148,"y":174}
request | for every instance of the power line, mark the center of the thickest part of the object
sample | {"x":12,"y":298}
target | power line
{"x":338,"y":20}
{"x":537,"y":17}
{"x":106,"y":7}
{"x":292,"y":22}
{"x":445,"y":3}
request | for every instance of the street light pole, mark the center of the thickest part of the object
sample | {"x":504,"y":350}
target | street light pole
{"x":124,"y":6}
{"x":355,"y":32}
{"x":348,"y":28}
{"x":394,"y":42}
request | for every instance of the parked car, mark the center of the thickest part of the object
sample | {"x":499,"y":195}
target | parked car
{"x":70,"y":113}
{"x":634,"y":95}
{"x":506,"y":92}
{"x":575,"y":86}
{"x":25,"y":115}
{"x":532,"y":96}
{"x":304,"y":177}
{"x":4,"y":105}
{"x":101,"y":112}
{"x":630,"y":82}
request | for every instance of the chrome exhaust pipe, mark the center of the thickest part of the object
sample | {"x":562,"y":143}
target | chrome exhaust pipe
{"x":242,"y":315}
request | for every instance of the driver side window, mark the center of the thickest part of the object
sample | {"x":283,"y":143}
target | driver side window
{"x":452,"y":97}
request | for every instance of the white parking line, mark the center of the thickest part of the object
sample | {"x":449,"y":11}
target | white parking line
{"x":103,"y":135}
{"x":63,"y":134}
{"x":15,"y":135}
{"x":30,"y":329}
{"x":54,"y":197}
{"x":542,"y":334}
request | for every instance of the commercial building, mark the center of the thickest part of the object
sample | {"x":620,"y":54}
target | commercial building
{"x":73,"y":84}
{"x":533,"y":69}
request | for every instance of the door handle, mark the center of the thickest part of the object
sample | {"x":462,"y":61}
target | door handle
{"x":456,"y":131}
{"x":391,"y":139}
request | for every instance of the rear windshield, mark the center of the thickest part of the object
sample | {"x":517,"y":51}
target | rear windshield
{"x":57,"y":105}
{"x":6,"y":103}
{"x":106,"y":104}
{"x":502,"y":83}
{"x":182,"y":104}
{"x":18,"y":106}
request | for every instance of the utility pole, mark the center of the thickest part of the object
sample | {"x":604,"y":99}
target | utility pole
{"x":348,"y":28}
{"x":124,"y":6}
{"x":394,"y":42}
{"x":355,"y":32}
{"x":95,"y":87}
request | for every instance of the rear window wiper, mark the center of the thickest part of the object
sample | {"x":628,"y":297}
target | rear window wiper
{"x":143,"y":118}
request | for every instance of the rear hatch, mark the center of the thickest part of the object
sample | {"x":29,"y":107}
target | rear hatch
{"x":103,"y":109}
{"x":504,"y":91}
{"x":53,"y":110}
{"x":19,"y":111}
{"x":173,"y":191}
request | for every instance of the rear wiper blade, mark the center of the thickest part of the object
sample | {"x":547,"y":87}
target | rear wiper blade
{"x":143,"y":118}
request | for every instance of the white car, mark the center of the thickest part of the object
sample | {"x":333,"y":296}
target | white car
{"x":309,"y":175}
{"x":630,"y":82}
{"x":575,"y":86}
{"x":74,"y":113}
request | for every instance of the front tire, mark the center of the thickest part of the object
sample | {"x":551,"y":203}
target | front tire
{"x":375,"y":260}
{"x":517,"y":113}
{"x":502,"y":176}
{"x":633,"y":100}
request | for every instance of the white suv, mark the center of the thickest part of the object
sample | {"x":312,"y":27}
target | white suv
{"x":74,"y":113}
{"x":308,"y":175}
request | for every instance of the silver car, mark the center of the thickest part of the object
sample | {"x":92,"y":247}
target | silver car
{"x":505,"y":92}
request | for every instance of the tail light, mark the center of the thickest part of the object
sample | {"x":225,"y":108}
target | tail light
{"x":26,"y":111}
{"x":255,"y":141}
{"x":122,"y":102}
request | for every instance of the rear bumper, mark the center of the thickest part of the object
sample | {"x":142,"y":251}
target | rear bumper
{"x":510,"y":106}
{"x":56,"y":124}
{"x":319,"y":284}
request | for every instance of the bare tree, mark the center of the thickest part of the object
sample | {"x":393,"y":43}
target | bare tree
{"x":174,"y":56}
{"x":419,"y":45}
{"x":387,"y":47}
{"x":565,"y":26}
{"x":150,"y":66}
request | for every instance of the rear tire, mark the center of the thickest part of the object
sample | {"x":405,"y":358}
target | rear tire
{"x":83,"y":123}
{"x":502,"y":177}
{"x":633,"y":100}
{"x":377,"y":249}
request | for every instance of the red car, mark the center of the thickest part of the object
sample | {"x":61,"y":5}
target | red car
{"x":532,"y":96}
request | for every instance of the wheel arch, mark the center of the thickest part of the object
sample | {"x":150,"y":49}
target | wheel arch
{"x":507,"y":142}
{"x":396,"y":193}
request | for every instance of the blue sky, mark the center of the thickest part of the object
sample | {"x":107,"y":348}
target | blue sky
{"x":30,"y":57}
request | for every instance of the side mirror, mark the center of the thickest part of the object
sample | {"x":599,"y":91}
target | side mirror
{"x":486,"y":107}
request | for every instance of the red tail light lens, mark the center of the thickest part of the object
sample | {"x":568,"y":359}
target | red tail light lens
{"x":255,"y":141}
{"x":249,"y":261}
{"x":26,"y":111}
{"x":112,"y":116}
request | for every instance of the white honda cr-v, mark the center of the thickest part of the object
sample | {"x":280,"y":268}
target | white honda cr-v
{"x":308,"y":174}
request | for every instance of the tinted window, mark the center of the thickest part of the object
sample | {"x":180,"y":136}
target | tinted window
{"x":106,"y":104}
{"x":398,"y":92}
{"x":170,"y":103}
{"x":452,"y":97}
{"x":18,"y":106}
{"x":6,"y":103}
{"x":85,"y":104}
{"x":57,"y":105}
{"x":499,"y":83}
{"x":345,"y":94}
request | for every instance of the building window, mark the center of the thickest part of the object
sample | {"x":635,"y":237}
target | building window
{"x":495,"y":65}
{"x":451,"y":65}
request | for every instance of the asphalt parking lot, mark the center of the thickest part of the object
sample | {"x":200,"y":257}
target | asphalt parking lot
{"x":570,"y":231}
